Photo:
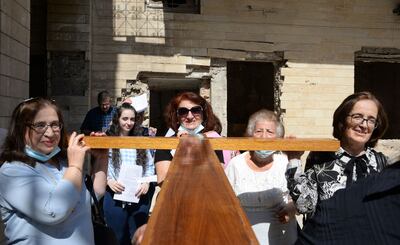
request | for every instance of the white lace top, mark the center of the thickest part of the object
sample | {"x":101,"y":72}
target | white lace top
{"x":261,"y":194}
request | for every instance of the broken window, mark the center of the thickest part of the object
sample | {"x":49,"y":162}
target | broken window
{"x":68,"y":73}
{"x":378,"y":70}
{"x":175,"y":6}
{"x":250,"y":88}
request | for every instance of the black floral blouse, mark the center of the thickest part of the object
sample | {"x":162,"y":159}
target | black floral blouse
{"x":327,"y":173}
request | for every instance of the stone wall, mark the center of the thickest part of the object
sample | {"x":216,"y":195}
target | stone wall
{"x":14,"y":56}
{"x":318,"y":39}
{"x":68,"y":48}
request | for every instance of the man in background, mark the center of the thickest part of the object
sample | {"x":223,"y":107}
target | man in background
{"x":98,"y":119}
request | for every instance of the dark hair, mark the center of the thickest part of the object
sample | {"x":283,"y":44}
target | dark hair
{"x":218,"y":125}
{"x":22,"y":117}
{"x":102,"y":96}
{"x":137,"y":130}
{"x":171,"y":117}
{"x":341,"y":113}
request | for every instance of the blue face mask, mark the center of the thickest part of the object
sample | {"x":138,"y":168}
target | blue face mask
{"x":263,"y":154}
{"x":40,"y":156}
{"x":193,"y":131}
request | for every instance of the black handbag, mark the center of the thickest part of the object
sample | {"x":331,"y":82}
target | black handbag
{"x":103,"y":235}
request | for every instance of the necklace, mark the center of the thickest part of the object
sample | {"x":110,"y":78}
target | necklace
{"x":51,"y":176}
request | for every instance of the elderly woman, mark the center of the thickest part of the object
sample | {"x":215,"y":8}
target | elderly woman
{"x":358,"y":123}
{"x":186,"y":114}
{"x":258,"y":179}
{"x":43,"y":198}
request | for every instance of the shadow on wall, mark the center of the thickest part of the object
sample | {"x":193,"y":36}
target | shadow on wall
{"x":3,"y":134}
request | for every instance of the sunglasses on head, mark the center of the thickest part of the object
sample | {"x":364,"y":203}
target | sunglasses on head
{"x":35,"y":99}
{"x":195,"y":110}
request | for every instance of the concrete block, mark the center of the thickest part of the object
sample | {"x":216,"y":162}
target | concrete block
{"x":26,"y":4}
{"x":226,"y":54}
{"x":68,"y":9}
{"x":318,"y":72}
{"x":304,"y":80}
{"x":309,"y":132}
{"x":69,"y":2}
{"x":13,"y":87}
{"x":13,"y":48}
{"x":17,"y":12}
{"x":13,"y":29}
{"x":68,"y":18}
{"x":4,"y":123}
{"x":67,"y":46}
{"x":125,"y":75}
{"x":68,"y":36}
{"x":7,"y":105}
{"x":67,"y":27}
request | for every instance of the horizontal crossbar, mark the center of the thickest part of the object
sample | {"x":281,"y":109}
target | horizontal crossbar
{"x":224,"y":143}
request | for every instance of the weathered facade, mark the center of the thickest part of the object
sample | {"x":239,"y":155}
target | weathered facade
{"x":14,"y":56}
{"x":311,"y":45}
{"x":298,"y":58}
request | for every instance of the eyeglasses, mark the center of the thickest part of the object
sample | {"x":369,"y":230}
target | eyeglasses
{"x":359,"y":119}
{"x":195,"y":110}
{"x":41,"y":127}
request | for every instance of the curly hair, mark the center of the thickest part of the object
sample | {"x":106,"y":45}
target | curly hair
{"x":22,"y":116}
{"x":137,"y":130}
{"x":172,"y":119}
{"x":264,"y":115}
{"x":339,"y":117}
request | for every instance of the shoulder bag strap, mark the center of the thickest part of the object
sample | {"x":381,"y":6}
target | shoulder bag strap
{"x":97,"y":211}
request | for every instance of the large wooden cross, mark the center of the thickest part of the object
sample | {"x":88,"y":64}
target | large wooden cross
{"x":197,"y":204}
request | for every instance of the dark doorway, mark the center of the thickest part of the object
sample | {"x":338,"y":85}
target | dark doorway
{"x":250,"y":88}
{"x":38,"y":50}
{"x":159,"y":99}
{"x":383,"y":80}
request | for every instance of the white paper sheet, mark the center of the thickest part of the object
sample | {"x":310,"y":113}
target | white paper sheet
{"x":129,"y":176}
{"x":140,"y":102}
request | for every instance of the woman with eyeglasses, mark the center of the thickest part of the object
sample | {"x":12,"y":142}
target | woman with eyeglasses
{"x":186,"y":114}
{"x":125,"y":217}
{"x":358,"y":123}
{"x":43,"y":199}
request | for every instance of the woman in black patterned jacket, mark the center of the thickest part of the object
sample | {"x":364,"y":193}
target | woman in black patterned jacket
{"x":358,"y":123}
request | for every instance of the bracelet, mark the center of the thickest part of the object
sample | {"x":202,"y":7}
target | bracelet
{"x":73,"y":166}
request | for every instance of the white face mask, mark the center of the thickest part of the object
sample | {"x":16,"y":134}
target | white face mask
{"x":263,"y":154}
{"x":191,"y":132}
{"x":40,"y":156}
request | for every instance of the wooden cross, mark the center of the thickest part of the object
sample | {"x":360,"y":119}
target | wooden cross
{"x":197,"y":204}
{"x":223,"y":143}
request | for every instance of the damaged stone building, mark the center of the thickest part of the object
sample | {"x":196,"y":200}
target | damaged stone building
{"x":299,"y":58}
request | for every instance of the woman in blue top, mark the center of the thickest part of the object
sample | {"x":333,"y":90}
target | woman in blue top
{"x":43,"y":199}
{"x":124,"y":217}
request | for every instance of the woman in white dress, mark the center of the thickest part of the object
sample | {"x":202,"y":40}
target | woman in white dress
{"x":258,"y":179}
